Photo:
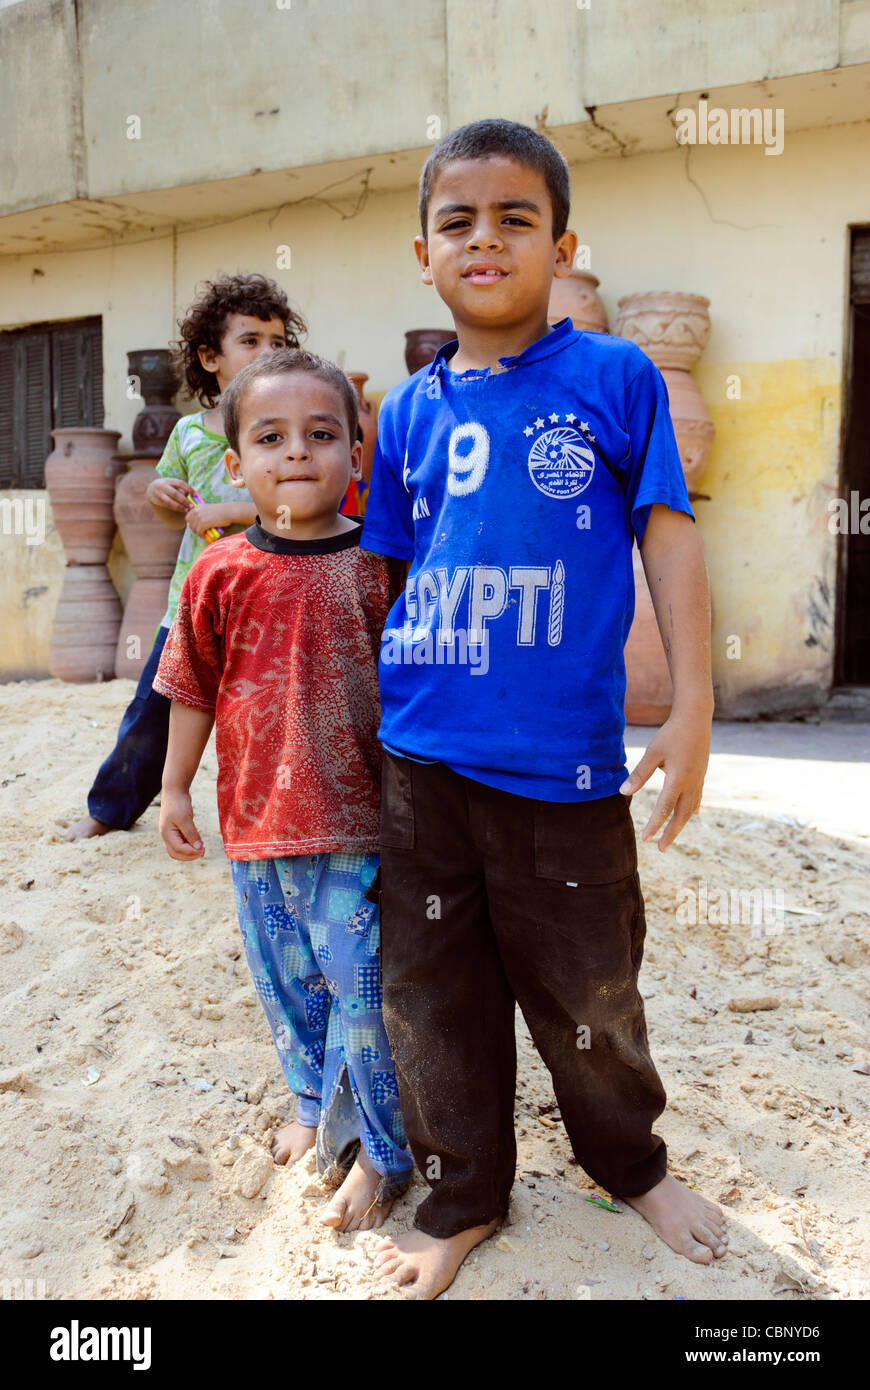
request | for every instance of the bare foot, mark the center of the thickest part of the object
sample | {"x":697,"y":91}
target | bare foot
{"x":353,"y":1206}
{"x":292,"y":1141}
{"x":686,"y":1221}
{"x":424,"y":1265}
{"x":86,"y":828}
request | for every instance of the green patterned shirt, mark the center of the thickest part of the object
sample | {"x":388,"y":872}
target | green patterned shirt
{"x":196,"y":455}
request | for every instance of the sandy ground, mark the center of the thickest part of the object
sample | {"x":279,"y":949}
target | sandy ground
{"x":138,"y":1083}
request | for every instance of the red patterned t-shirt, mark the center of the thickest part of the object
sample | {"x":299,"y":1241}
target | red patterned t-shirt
{"x":280,"y":638}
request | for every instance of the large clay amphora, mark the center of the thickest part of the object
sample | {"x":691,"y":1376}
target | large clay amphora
{"x":575,"y":296}
{"x":80,"y":475}
{"x":86,"y":624}
{"x":649,"y":692}
{"x":693,"y":426}
{"x":153,"y":550}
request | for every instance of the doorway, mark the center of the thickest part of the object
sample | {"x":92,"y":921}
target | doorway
{"x":853,"y":644}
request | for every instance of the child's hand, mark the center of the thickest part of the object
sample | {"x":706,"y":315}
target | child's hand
{"x":682,"y":748}
{"x":170,"y":493}
{"x":204,"y":515}
{"x":180,"y":835}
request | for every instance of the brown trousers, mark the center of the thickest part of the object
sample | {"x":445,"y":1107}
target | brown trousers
{"x":490,"y":899}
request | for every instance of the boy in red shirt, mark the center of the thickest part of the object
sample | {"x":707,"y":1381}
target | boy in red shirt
{"x":276,"y":643}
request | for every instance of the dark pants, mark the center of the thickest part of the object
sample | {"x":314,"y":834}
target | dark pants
{"x":129,"y":779}
{"x":488,"y":898}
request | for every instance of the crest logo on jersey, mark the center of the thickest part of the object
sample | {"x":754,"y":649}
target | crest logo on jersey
{"x":561,"y":461}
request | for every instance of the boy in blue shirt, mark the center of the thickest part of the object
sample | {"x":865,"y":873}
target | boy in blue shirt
{"x":512,"y":475}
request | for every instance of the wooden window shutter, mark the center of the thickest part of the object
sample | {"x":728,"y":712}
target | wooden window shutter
{"x":68,"y":370}
{"x":93,"y":371}
{"x":51,"y":377}
{"x":8,"y":457}
{"x":33,"y":415}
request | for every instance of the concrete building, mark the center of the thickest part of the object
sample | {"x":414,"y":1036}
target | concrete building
{"x":149,"y":145}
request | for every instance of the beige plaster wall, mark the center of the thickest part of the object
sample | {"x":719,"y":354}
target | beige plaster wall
{"x":764,"y":238}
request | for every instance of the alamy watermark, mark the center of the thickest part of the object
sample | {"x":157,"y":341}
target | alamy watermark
{"x":418,"y":646}
{"x":21,"y":1290}
{"x":752,"y":125}
{"x":76,"y":1343}
{"x":23,"y":516}
{"x":849,"y":517}
{"x":749,"y":907}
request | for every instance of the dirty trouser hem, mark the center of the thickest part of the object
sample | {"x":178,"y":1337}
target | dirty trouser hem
{"x":443,"y":1230}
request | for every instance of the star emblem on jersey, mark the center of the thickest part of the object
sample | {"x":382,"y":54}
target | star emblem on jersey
{"x":561,"y":462}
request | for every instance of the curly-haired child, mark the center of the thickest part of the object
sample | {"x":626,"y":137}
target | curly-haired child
{"x":233,"y":320}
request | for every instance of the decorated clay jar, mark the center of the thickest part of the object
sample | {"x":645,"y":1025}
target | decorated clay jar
{"x":672,"y":328}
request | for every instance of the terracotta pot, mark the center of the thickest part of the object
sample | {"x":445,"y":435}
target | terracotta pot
{"x":86,"y":625}
{"x":144,"y":609}
{"x":80,"y":475}
{"x":692,"y":424}
{"x":575,"y":296}
{"x":368,"y":419}
{"x":649,"y":692}
{"x":421,"y":345}
{"x":672,"y":328}
{"x":158,"y":384}
{"x":153,"y":550}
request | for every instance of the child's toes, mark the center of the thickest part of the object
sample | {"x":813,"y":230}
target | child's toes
{"x":335,"y":1213}
{"x":707,"y":1235}
{"x":700,"y":1254}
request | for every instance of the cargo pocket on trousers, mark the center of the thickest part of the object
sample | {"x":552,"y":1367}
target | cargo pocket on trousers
{"x":585,"y":841}
{"x":397,"y":804}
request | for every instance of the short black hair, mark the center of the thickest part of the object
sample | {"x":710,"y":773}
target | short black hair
{"x":246,"y":292}
{"x":486,"y":139}
{"x":280,"y":363}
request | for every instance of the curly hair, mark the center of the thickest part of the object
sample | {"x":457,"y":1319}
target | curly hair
{"x":204,"y":323}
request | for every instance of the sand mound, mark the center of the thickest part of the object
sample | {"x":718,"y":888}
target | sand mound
{"x":138,"y":1084}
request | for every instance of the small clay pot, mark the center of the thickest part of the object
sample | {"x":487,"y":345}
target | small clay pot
{"x":421,"y":345}
{"x":671,"y":327}
{"x":158,"y":384}
{"x":86,"y":624}
{"x":368,"y":419}
{"x":80,"y":475}
{"x":692,"y":424}
{"x":575,"y":296}
{"x":153,"y":550}
{"x":649,"y":692}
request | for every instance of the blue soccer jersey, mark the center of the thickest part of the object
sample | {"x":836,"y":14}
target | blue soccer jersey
{"x":515,"y":495}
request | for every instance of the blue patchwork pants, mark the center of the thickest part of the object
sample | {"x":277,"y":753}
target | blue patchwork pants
{"x":312,"y":943}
